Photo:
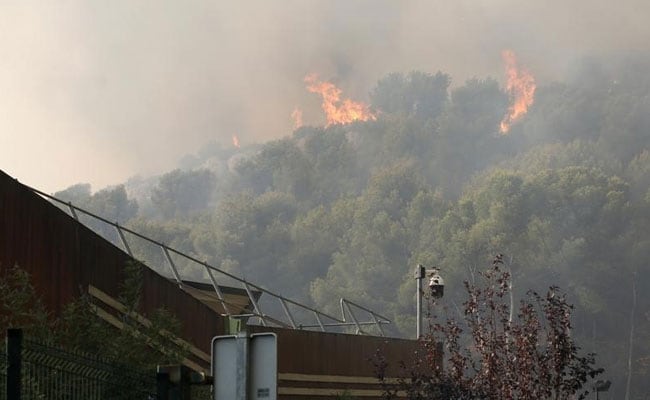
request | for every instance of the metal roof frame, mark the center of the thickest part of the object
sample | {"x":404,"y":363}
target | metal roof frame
{"x":321,"y":320}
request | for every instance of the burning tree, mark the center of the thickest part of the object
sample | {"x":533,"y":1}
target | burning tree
{"x":520,"y":86}
{"x":494,"y":355}
{"x":337,"y":110}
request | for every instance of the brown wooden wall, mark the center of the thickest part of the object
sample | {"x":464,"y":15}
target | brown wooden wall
{"x":319,"y":353}
{"x":64,"y":257}
{"x":320,"y":366}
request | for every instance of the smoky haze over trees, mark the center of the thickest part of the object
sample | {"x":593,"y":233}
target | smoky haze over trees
{"x":348,"y":210}
{"x":101,"y":92}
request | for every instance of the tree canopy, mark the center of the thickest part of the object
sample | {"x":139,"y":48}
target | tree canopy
{"x":349,"y":210}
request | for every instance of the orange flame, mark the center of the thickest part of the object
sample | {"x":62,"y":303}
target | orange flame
{"x":336,"y":110}
{"x":296,"y":115}
{"x":521,"y":88}
{"x":235,"y":141}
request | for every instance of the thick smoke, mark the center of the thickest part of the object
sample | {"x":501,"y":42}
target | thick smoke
{"x":99,"y":91}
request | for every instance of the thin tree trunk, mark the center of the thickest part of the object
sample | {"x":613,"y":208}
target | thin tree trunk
{"x":631,"y":340}
{"x":510,"y":285}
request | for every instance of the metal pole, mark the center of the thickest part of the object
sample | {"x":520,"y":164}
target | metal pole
{"x":172,"y":266}
{"x":419,"y":275}
{"x":256,"y":307}
{"x":320,"y":322}
{"x":217,"y":290}
{"x":123,"y":239}
{"x":354,"y":319}
{"x":241,"y":381}
{"x":288,"y":313}
{"x":72,"y":211}
{"x":14,"y":363}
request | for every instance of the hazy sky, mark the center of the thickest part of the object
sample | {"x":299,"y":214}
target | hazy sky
{"x":97,"y":91}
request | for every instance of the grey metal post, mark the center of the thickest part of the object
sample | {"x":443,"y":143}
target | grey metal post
{"x":72,"y":211}
{"x":256,"y":307}
{"x":319,"y":321}
{"x":242,"y":366}
{"x":354,"y":319}
{"x":127,"y":248}
{"x":377,"y":323}
{"x":287,"y":312}
{"x":172,"y":266}
{"x":14,"y":363}
{"x":216,"y":288}
{"x":419,"y":275}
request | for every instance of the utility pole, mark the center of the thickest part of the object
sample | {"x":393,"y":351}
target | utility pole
{"x":436,"y":291}
{"x":419,"y":275}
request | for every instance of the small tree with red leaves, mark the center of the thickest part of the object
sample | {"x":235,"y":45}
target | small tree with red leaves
{"x":491,"y":355}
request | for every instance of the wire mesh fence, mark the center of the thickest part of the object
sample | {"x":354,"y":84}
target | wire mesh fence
{"x":203,"y":392}
{"x":48,"y":372}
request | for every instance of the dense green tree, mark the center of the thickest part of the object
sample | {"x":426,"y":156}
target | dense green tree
{"x":183,"y":192}
{"x":21,"y":307}
{"x":77,"y":194}
{"x":333,"y":163}
{"x":468,"y":137}
{"x":315,"y":238}
{"x":372,"y":258}
{"x":252,"y":233}
{"x":279,"y":166}
{"x":418,"y":94}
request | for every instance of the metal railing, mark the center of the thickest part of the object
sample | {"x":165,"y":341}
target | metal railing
{"x":321,"y":320}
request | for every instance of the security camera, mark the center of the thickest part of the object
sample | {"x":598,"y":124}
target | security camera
{"x":436,"y":284}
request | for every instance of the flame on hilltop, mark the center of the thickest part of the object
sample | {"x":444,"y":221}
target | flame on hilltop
{"x":521,"y":88}
{"x":296,"y":115}
{"x":336,"y":110}
{"x":235,"y":141}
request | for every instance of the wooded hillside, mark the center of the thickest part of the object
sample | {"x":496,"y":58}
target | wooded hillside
{"x":349,"y":210}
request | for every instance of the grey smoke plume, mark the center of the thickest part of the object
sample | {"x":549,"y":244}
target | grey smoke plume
{"x":97,"y":91}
